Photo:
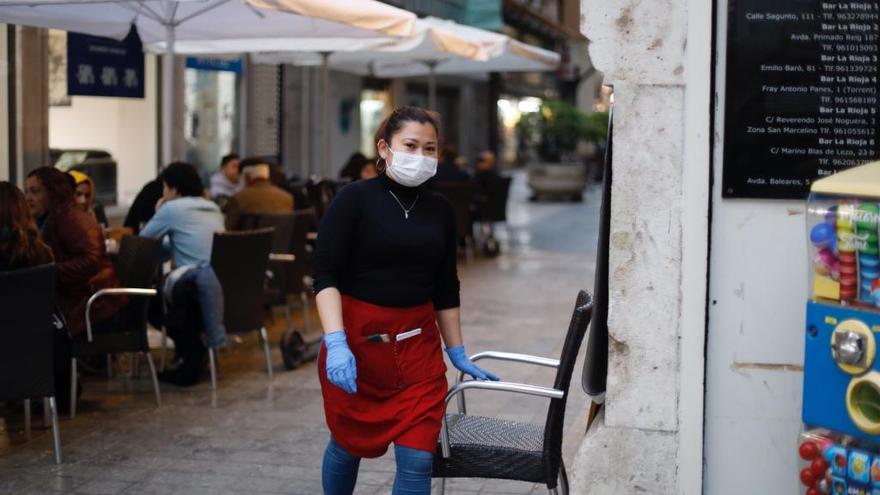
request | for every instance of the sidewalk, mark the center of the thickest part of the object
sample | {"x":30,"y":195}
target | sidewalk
{"x":255,"y":437}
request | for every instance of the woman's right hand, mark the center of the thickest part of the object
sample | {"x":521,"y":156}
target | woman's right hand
{"x":341,"y":368}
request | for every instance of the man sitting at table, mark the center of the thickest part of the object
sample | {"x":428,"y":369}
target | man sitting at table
{"x":187,"y":222}
{"x":259,"y":194}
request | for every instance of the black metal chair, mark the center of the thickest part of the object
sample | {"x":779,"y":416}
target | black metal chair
{"x":27,"y":297}
{"x":491,"y":208}
{"x":282,"y":255}
{"x":240,"y":260}
{"x":480,"y":447}
{"x":136,"y":266}
{"x":461,"y":196}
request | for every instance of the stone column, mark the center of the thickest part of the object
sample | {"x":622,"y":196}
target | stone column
{"x":33,"y":98}
{"x":658,"y":246}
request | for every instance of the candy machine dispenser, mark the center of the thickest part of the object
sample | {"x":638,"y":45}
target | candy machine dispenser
{"x":840,"y":446}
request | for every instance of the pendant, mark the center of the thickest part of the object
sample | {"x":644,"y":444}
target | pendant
{"x":406,"y":215}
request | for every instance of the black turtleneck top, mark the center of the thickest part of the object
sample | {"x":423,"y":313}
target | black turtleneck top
{"x":369,"y":250}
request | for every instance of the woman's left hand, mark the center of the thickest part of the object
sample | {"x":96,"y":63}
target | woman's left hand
{"x":465,"y":365}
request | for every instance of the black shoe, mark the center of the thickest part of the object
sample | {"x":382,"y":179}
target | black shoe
{"x":186,"y":373}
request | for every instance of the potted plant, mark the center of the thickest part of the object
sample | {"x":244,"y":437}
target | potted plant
{"x":550,"y":139}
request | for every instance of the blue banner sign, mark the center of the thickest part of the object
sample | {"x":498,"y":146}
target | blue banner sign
{"x":214,"y":64}
{"x":99,"y":66}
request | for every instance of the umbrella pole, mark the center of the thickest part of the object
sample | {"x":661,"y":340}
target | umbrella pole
{"x":167,"y":95}
{"x":432,"y":86}
{"x":327,"y":167}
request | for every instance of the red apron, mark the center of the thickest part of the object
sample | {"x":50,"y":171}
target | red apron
{"x":401,"y":384}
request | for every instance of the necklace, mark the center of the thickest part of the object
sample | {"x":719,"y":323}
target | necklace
{"x":405,"y":210}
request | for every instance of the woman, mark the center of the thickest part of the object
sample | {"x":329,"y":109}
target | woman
{"x":81,"y":263}
{"x":387,"y":290}
{"x":84,"y":196}
{"x":20,"y":243}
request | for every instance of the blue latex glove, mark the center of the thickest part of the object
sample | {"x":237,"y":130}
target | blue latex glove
{"x":465,"y":365}
{"x":341,"y":369}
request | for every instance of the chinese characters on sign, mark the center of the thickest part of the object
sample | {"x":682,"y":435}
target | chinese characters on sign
{"x":99,"y":66}
{"x":801,"y":97}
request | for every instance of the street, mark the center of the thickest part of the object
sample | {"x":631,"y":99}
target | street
{"x":253,"y":436}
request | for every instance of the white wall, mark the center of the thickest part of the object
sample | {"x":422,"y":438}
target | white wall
{"x":125,"y":127}
{"x":757,"y":294}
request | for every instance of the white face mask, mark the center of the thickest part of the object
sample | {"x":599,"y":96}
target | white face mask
{"x":409,"y":169}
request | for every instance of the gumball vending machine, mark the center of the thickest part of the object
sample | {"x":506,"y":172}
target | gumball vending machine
{"x":840,"y":446}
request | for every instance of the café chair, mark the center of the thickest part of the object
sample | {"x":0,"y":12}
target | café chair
{"x":491,"y":208}
{"x":136,"y":267}
{"x":276,"y":285}
{"x":461,"y":196}
{"x":239,"y":260}
{"x":27,"y":298}
{"x":482,"y":447}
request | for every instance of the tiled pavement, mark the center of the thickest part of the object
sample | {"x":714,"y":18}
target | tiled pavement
{"x":253,"y":436}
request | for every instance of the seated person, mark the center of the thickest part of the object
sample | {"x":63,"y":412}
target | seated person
{"x":20,"y":243}
{"x":352,"y":168}
{"x":227,"y":181}
{"x":369,"y":170}
{"x":77,"y":243}
{"x":81,"y":263}
{"x":258,"y":196}
{"x":85,"y":197}
{"x":144,"y":206}
{"x":186,"y":221}
{"x":448,"y":169}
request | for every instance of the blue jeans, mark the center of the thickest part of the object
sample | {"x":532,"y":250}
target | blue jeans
{"x":340,"y":469}
{"x":201,"y":282}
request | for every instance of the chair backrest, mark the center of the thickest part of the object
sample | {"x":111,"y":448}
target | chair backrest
{"x":595,"y":374}
{"x":137,"y":266}
{"x":577,"y":328}
{"x":494,"y":209}
{"x":461,"y":195}
{"x":281,"y":222}
{"x":27,"y":298}
{"x":138,"y":261}
{"x":305,"y":222}
{"x":240,"y":259}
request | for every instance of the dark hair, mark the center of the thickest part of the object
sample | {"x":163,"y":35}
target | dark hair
{"x":394,"y":123}
{"x":253,"y":160}
{"x":20,"y":243}
{"x":59,"y":186}
{"x":184,"y":178}
{"x":228,"y":158}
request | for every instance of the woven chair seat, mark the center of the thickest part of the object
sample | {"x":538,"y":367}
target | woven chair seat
{"x":492,"y":448}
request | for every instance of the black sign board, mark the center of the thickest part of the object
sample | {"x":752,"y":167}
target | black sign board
{"x":802,"y":93}
{"x":99,"y":66}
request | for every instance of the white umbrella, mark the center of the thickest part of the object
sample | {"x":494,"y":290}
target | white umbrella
{"x":174,"y":21}
{"x":434,"y":40}
{"x":406,"y":58}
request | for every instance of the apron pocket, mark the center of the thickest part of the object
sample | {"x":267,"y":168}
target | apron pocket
{"x":375,"y":363}
{"x":420,"y":357}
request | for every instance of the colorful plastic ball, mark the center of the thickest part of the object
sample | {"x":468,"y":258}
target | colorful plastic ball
{"x":824,"y":262}
{"x":821,"y":234}
{"x":808,"y":450}
{"x":807,"y":477}
{"x":818,"y":467}
{"x":813,"y":491}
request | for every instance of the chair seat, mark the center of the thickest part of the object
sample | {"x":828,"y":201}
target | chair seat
{"x":492,"y":448}
{"x":110,"y":343}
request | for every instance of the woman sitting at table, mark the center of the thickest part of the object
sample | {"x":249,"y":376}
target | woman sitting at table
{"x":20,"y":243}
{"x":81,"y":263}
